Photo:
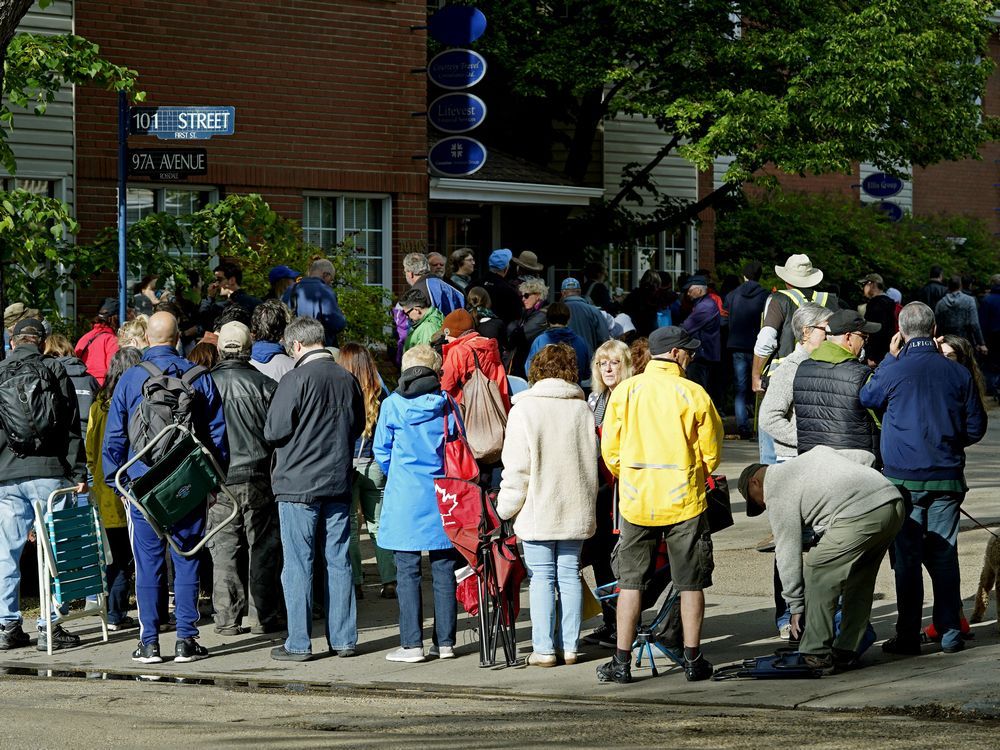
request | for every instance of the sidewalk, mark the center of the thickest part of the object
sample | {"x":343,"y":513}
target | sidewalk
{"x":739,"y":624}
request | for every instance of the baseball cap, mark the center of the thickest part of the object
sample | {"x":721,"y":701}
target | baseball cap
{"x":234,"y":338}
{"x":570,"y":283}
{"x":695,"y":281}
{"x":12,"y":313}
{"x":847,"y":321}
{"x":753,"y":509}
{"x":877,"y":278}
{"x":282,"y":272}
{"x":662,"y":340}
{"x":29,"y":327}
{"x":109,"y":306}
{"x":500,"y":258}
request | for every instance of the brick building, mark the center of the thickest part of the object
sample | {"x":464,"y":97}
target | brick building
{"x":323,"y":93}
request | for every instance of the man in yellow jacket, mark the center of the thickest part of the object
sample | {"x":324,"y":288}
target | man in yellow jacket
{"x":662,"y":437}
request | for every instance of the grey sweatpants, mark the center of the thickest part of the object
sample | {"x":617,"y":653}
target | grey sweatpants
{"x":246,"y":556}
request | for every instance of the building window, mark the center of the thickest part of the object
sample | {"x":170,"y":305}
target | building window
{"x":46,"y":188}
{"x":364,"y":219}
{"x":176,"y":201}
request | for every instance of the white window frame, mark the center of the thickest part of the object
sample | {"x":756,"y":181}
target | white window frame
{"x":338,"y":198}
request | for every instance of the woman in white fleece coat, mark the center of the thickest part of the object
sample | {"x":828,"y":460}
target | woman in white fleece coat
{"x":549,"y":487}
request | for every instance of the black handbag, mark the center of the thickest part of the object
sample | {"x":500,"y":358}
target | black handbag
{"x":720,"y":512}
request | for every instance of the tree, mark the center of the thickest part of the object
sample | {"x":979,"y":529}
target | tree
{"x":807,"y":87}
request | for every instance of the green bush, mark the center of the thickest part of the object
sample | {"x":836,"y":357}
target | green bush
{"x":848,"y":240}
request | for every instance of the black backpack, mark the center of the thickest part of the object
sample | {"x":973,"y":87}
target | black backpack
{"x":32,"y":406}
{"x":166,"y":400}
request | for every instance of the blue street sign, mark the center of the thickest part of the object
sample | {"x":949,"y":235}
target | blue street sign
{"x":456,"y":69}
{"x":881,"y":185}
{"x":456,"y":25}
{"x":457,"y":157}
{"x":456,"y":113}
{"x":891,"y":210}
{"x":181,"y":123}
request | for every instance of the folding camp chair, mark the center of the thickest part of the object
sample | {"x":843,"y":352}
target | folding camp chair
{"x":176,"y":486}
{"x":72,"y":558}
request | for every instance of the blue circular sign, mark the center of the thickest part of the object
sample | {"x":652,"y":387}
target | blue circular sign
{"x":881,"y":185}
{"x":456,"y":113}
{"x":456,"y":25}
{"x":457,"y":156}
{"x":892,"y":210}
{"x":456,"y":69}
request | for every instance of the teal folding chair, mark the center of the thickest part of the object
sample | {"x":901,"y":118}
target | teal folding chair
{"x":176,"y":486}
{"x":72,"y":559}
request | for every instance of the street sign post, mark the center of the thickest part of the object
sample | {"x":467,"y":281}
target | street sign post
{"x":182,"y":123}
{"x":167,"y":164}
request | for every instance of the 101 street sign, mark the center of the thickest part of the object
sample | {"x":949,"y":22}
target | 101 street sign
{"x":182,"y":123}
{"x":167,"y":164}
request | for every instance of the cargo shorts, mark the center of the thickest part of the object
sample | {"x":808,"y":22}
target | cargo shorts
{"x":689,"y":551}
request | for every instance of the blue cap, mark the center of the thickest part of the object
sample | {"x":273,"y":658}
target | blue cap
{"x":500,"y":259}
{"x":569,"y":283}
{"x":282,"y":272}
{"x":695,"y":281}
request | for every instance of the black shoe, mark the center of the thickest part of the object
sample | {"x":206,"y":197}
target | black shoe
{"x":188,"y":649}
{"x":699,"y":669}
{"x":346,"y":653}
{"x":822,"y":664}
{"x":12,"y":636}
{"x":229,"y":630}
{"x":845,"y":661}
{"x":902,"y":646}
{"x":388,"y":590}
{"x":615,"y":671}
{"x":147,"y":653}
{"x":61,"y":638}
{"x":605,"y":636}
{"x":262,"y":628}
{"x":282,"y":654}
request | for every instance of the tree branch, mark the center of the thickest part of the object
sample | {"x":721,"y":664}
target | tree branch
{"x":645,"y":171}
{"x":686,"y":214}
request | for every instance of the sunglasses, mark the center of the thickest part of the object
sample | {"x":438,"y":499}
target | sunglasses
{"x":529,"y":294}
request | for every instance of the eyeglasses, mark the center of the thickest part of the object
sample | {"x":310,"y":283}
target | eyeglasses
{"x":604,"y":363}
{"x":806,"y":329}
{"x":862,"y":336}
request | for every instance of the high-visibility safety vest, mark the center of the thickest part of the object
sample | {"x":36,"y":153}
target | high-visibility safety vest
{"x":789,"y":300}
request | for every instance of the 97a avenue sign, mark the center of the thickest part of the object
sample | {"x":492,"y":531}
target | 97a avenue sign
{"x":167,"y":164}
{"x":182,"y":123}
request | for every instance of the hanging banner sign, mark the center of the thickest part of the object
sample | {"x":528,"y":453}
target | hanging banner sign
{"x":457,"y":156}
{"x":881,"y":185}
{"x":456,"y":69}
{"x":456,"y":113}
{"x":456,"y":25}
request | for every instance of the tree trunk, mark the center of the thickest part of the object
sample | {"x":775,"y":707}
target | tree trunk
{"x":581,"y":149}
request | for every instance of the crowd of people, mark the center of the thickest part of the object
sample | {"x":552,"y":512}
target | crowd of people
{"x":597,"y":414}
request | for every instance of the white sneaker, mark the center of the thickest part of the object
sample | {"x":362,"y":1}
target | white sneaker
{"x":408,"y":655}
{"x":785,"y":632}
{"x":570,"y":657}
{"x":442,"y":652}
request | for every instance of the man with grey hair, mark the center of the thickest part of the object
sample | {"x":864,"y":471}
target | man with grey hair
{"x":585,"y":320}
{"x":313,"y":297}
{"x":314,"y":419}
{"x":437,"y":264}
{"x":253,"y":536}
{"x":932,"y":413}
{"x":442,"y":295}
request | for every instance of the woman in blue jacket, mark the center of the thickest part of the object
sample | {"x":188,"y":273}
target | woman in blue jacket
{"x":409,"y":446}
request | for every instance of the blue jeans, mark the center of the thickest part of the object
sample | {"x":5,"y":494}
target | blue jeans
{"x":17,"y":517}
{"x":410,"y":597}
{"x":306,"y":528}
{"x":554,"y":567}
{"x":929,"y":537}
{"x":742,"y":395}
{"x":765,"y":442}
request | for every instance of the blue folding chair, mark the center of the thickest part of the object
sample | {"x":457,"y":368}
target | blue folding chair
{"x":72,"y":559}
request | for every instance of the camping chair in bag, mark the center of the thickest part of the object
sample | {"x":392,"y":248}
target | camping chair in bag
{"x":72,"y":560}
{"x":176,"y":486}
{"x":490,"y":550}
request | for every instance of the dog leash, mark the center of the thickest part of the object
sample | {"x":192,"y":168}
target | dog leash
{"x":976,"y":521}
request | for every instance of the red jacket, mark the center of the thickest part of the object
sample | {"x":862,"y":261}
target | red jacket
{"x":459,"y":363}
{"x":96,"y":348}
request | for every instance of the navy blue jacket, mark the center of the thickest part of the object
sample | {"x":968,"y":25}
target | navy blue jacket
{"x":209,"y":422}
{"x":932,"y":412}
{"x":311,"y":298}
{"x":560,"y":335}
{"x":745,"y":305}
{"x":989,"y":313}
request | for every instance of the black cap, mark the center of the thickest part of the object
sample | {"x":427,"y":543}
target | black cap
{"x":695,"y":280}
{"x":29,"y":327}
{"x":753,"y":509}
{"x":109,"y":307}
{"x":848,"y":321}
{"x":662,"y":340}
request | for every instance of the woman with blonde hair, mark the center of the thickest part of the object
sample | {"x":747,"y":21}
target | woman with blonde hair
{"x":522,"y":333}
{"x":133,"y":333}
{"x":612,"y":365}
{"x":369,"y":481}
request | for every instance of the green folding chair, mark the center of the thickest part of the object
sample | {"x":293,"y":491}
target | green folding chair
{"x":176,"y":486}
{"x":72,"y":559}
